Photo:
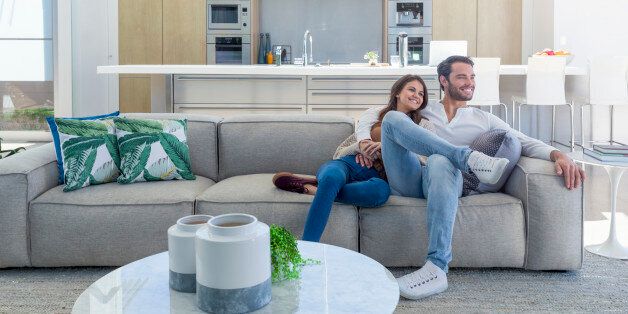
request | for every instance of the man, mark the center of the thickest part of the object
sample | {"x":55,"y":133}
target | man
{"x":440,"y":181}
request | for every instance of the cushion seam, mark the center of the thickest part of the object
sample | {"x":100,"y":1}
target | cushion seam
{"x":74,"y":204}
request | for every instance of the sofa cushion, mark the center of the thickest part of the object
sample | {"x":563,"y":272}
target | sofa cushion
{"x":57,"y":142}
{"x":268,"y":144}
{"x":202,"y":139}
{"x":496,"y":143}
{"x":489,"y":232}
{"x":153,"y":150}
{"x":109,"y":224}
{"x":256,"y":195}
{"x":90,"y":152}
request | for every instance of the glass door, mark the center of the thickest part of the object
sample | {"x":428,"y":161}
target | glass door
{"x":415,"y":50}
{"x":228,"y":50}
{"x":224,"y":14}
{"x":26,"y":63}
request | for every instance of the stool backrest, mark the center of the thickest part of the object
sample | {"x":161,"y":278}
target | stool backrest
{"x":607,"y":81}
{"x":441,"y":49}
{"x":545,"y":81}
{"x":486,"y":81}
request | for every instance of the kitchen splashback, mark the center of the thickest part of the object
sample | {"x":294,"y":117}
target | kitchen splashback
{"x":342,"y":31}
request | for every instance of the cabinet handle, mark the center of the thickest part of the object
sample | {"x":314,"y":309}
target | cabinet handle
{"x":372,"y":79}
{"x":352,"y":93}
{"x":356,"y":78}
{"x":205,"y":78}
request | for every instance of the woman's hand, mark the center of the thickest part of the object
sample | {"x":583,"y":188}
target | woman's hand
{"x":363,"y":161}
{"x":370,"y":149}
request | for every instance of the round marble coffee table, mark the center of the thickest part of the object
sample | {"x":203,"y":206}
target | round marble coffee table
{"x":344,"y":281}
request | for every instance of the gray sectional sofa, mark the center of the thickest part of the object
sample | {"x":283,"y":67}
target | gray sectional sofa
{"x":535,"y":224}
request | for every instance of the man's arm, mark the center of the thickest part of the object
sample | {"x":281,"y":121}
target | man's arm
{"x":532,"y":147}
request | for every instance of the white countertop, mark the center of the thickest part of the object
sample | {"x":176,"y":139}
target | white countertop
{"x":344,"y":70}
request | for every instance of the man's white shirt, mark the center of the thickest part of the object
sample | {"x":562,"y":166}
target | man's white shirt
{"x":464,"y":128}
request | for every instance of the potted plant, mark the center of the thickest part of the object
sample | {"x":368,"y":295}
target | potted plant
{"x":284,"y":254}
{"x":372,"y":57}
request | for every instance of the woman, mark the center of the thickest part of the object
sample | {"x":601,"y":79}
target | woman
{"x":344,"y":179}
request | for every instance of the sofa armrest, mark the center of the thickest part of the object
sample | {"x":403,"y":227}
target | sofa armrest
{"x":23,"y":177}
{"x":553,"y":214}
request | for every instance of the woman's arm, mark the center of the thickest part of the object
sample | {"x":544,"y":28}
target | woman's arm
{"x":366,"y":122}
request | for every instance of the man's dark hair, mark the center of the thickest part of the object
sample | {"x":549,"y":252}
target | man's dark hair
{"x":444,"y":68}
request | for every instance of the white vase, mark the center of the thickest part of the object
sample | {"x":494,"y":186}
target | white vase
{"x":233,"y":264}
{"x":181,"y":251}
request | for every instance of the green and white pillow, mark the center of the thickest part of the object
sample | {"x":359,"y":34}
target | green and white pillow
{"x":153,"y":150}
{"x":90,"y":152}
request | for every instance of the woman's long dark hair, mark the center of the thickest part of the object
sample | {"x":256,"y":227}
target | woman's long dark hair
{"x":396,"y":89}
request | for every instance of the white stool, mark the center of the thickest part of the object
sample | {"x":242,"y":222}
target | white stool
{"x":441,"y":49}
{"x":608,"y":86}
{"x":545,"y":86}
{"x":487,"y":84}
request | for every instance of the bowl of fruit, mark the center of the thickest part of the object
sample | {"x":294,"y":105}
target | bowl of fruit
{"x":555,"y":53}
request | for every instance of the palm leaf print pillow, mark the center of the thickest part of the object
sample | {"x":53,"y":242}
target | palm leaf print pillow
{"x":153,"y":150}
{"x":90,"y":152}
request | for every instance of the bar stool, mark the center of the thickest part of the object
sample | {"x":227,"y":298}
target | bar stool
{"x":545,"y":86}
{"x":442,"y":49}
{"x":487,"y":84}
{"x":608,"y":86}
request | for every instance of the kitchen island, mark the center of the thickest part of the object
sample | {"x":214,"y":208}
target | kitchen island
{"x":329,"y":89}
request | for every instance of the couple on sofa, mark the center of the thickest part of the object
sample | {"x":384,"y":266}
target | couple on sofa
{"x":424,"y":150}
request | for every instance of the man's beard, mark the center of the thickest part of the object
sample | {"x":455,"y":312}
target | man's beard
{"x":455,"y":94}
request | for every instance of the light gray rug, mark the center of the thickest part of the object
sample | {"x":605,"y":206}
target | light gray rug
{"x":601,"y":285}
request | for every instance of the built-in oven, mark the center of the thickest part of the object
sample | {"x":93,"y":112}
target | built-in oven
{"x":418,"y":46}
{"x":228,"y":49}
{"x":404,"y":13}
{"x":232,"y":16}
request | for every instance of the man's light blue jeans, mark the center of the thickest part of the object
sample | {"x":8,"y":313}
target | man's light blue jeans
{"x":440,"y":182}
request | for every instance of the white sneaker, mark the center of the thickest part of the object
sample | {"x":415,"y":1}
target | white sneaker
{"x":428,"y":280}
{"x":488,"y":169}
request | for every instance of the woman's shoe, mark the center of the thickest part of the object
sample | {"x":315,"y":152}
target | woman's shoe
{"x":292,"y":183}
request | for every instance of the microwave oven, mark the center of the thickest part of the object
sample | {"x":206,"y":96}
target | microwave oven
{"x":228,"y":16}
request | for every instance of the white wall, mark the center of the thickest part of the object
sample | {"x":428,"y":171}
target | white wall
{"x":589,"y":29}
{"x":94,"y":43}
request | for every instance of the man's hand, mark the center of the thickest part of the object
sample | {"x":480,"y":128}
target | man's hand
{"x":565,"y":167}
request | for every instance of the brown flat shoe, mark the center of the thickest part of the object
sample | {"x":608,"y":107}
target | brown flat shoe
{"x":291,"y":182}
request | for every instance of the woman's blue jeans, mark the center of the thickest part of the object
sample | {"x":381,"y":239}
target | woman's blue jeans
{"x":440,"y":182}
{"x":343,"y":180}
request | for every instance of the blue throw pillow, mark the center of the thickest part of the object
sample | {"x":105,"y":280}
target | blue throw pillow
{"x":495,"y":143}
{"x":55,"y":137}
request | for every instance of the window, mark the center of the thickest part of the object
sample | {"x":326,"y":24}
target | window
{"x":26,"y":64}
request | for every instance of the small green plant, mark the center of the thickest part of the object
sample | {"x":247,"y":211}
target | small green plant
{"x":284,"y":255}
{"x":371,"y":55}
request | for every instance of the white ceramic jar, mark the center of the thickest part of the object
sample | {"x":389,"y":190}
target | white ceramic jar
{"x":233,"y":264}
{"x":182,"y":253}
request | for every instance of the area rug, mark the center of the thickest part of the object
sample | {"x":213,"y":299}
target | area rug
{"x":601,"y":285}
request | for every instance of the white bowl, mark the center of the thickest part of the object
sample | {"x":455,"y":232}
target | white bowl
{"x":568,"y":57}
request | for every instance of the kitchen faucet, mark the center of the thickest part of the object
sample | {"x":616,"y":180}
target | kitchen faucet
{"x":305,"y":55}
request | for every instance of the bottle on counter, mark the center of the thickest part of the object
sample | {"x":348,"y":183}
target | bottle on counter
{"x":269,"y":58}
{"x":261,"y":50}
{"x":269,"y":47}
